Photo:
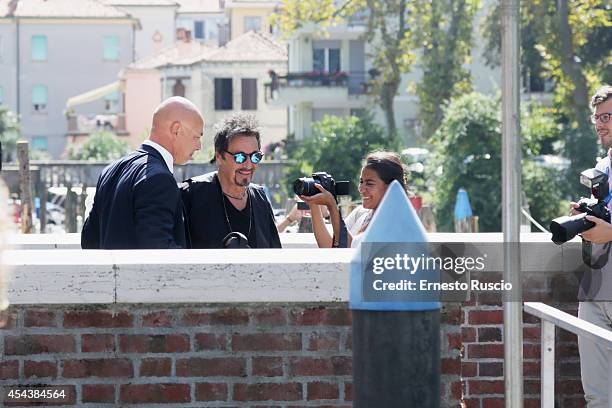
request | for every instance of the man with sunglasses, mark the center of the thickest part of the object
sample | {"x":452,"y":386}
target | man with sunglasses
{"x":225,"y":202}
{"x":594,"y":357}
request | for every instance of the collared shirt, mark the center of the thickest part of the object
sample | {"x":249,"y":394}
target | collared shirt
{"x":165,"y":154}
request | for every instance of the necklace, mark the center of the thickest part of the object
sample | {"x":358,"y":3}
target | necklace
{"x":235,"y":198}
{"x":229,"y":225}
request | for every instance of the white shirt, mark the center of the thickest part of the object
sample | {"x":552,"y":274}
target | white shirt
{"x":164,"y":153}
{"x":354,"y":222}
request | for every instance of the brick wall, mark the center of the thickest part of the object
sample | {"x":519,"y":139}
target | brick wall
{"x":249,"y":355}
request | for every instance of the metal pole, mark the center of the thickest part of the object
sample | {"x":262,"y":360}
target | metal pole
{"x":511,"y":201}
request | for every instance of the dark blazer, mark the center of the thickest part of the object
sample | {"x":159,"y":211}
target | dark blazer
{"x":137,"y":206}
{"x":206,"y":223}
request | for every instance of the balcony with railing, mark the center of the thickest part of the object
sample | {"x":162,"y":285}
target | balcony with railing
{"x":313,"y":86}
{"x":85,"y":124}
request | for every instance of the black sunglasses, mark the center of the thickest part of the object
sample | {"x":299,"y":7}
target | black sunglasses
{"x":241,"y":157}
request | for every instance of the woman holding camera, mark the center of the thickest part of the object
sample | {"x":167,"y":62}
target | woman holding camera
{"x":379,"y":170}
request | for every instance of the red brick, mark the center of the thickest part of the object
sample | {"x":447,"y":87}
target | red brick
{"x":40,"y":369}
{"x":454,"y":341}
{"x":105,"y":368}
{"x":97,"y":343}
{"x":324,"y":341}
{"x":267,"y":342}
{"x":269,"y":317}
{"x":207,"y":367}
{"x":569,"y":387}
{"x":160,"y":318}
{"x":531,"y":350}
{"x":322,"y":390}
{"x":468,"y":334}
{"x":566,"y":350}
{"x":348,"y":391}
{"x":532,"y":387}
{"x":486,"y":387}
{"x":569,"y":369}
{"x":349,"y":342}
{"x":456,"y":390}
{"x":310,"y":366}
{"x":268,"y":391}
{"x":267,"y":366}
{"x":154,"y":393}
{"x":566,"y":336}
{"x":39,"y":318}
{"x":156,"y":367}
{"x":486,"y":317}
{"x":493,"y":403}
{"x":485,"y":351}
{"x":9,"y":369}
{"x":226,"y":317}
{"x":573,"y":402}
{"x":531,"y":369}
{"x":535,"y":403}
{"x":472,"y":403}
{"x":142,"y":343}
{"x":211,"y":392}
{"x":98,"y":318}
{"x":489,"y":334}
{"x":531,"y":333}
{"x":486,"y":369}
{"x":38,"y":344}
{"x":206,"y":341}
{"x":451,"y":366}
{"x":469,"y":369}
{"x":101,"y":393}
{"x":320,"y":316}
{"x":452,"y":316}
{"x":8,"y":319}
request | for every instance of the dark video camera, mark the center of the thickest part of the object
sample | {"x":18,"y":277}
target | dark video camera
{"x":306,"y":185}
{"x":566,"y":228}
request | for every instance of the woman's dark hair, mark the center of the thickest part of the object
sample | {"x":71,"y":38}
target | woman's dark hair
{"x":388,"y":166}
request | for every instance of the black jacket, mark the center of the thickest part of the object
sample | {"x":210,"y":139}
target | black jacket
{"x":137,"y":206}
{"x":206,"y":223}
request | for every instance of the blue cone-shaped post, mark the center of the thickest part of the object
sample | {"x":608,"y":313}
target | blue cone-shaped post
{"x":396,"y":336}
{"x":463,"y":209}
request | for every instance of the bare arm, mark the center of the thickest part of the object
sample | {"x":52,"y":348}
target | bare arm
{"x":324,"y":240}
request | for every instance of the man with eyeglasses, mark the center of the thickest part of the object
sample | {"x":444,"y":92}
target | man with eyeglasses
{"x":223,"y":206}
{"x":594,"y":357}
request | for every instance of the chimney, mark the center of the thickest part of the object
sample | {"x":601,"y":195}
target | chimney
{"x":183,"y":35}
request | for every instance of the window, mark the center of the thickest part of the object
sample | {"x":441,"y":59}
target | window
{"x":39,"y":47}
{"x":326,"y":59}
{"x":111,"y":102}
{"x":249,"y":94}
{"x":223,"y":94}
{"x":178,"y":89}
{"x":40,"y":143}
{"x":39,"y":98}
{"x":252,"y":23}
{"x":198,"y":30}
{"x":111,"y":48}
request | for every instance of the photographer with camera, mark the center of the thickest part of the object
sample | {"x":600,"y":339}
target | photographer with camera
{"x":594,"y":357}
{"x":224,"y":210}
{"x":379,"y":170}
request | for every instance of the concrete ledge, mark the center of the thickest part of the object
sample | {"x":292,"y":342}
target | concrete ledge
{"x":178,"y":276}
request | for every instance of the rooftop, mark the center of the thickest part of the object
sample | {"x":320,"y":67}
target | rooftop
{"x":62,"y":9}
{"x":199,"y":6}
{"x":141,"y":2}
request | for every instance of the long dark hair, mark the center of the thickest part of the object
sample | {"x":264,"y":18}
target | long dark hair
{"x":387,"y":166}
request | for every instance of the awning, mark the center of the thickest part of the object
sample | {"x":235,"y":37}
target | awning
{"x":93,"y":95}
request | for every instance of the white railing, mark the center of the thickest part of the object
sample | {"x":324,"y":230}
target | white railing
{"x":551,"y":318}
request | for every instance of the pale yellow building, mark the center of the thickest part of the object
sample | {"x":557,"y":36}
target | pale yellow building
{"x":249,"y":15}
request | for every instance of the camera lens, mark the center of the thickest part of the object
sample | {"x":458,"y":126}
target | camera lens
{"x":565,"y":228}
{"x":305,"y":186}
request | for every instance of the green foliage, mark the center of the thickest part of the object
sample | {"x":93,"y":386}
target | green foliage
{"x":204,"y":155}
{"x":100,"y":146}
{"x":468,"y":149}
{"x":9,"y":133}
{"x":40,"y":155}
{"x":338,"y":146}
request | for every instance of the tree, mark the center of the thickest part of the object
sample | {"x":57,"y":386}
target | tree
{"x":563,"y":40}
{"x":100,"y":146}
{"x":9,"y":133}
{"x":397,"y":30}
{"x":337,"y":146}
{"x":468,"y":150}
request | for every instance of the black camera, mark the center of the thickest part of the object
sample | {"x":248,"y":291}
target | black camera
{"x":306,"y":185}
{"x":566,"y":228}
